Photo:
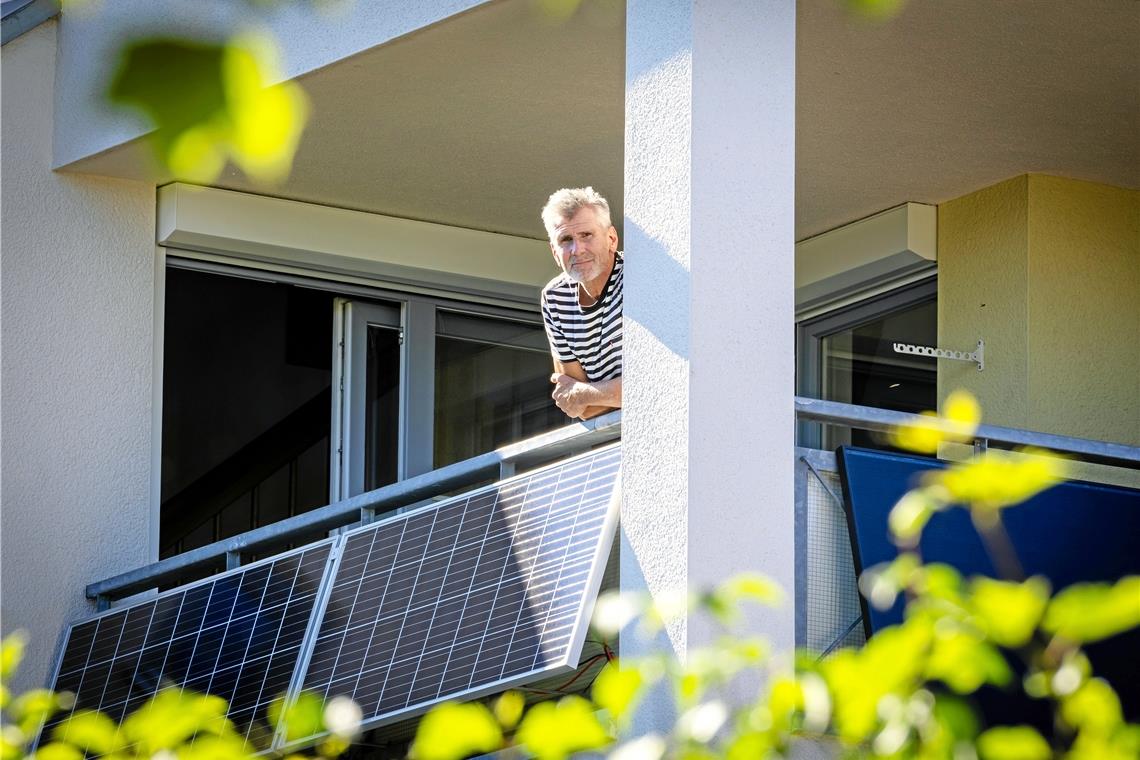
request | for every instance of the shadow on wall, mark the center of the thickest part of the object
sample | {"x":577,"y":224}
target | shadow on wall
{"x":660,"y":301}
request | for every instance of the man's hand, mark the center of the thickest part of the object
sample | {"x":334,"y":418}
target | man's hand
{"x":571,"y":396}
{"x":582,"y":400}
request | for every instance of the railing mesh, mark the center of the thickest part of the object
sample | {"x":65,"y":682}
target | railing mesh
{"x":833,"y":615}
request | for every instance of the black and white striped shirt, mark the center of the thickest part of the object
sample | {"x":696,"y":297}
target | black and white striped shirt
{"x":589,"y":335}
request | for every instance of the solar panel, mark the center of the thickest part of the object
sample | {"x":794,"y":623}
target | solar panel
{"x":236,"y":635}
{"x":453,"y":600}
{"x":468,"y":596}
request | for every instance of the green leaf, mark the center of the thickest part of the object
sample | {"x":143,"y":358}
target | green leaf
{"x":57,"y":751}
{"x":909,"y":516}
{"x":964,"y":661}
{"x":301,"y":718}
{"x":1093,"y":707}
{"x":173,"y":716}
{"x":891,"y":663}
{"x":1009,"y":612}
{"x":1086,"y":612}
{"x":748,"y":746}
{"x":882,"y":583}
{"x":956,"y":716}
{"x":1096,"y":747}
{"x":212,"y":101}
{"x":939,"y":581}
{"x":998,"y":479}
{"x":751,"y":587}
{"x":452,"y":731}
{"x":32,"y":709}
{"x":228,"y":747}
{"x":555,"y":730}
{"x":1013,"y":743}
{"x":11,"y":653}
{"x":509,"y":708}
{"x":617,"y":688}
{"x":91,"y":731}
{"x":784,"y":699}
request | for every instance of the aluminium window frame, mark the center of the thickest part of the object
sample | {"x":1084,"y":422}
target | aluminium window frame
{"x":811,"y":332}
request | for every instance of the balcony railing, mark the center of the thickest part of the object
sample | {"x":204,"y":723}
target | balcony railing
{"x":817,"y":534}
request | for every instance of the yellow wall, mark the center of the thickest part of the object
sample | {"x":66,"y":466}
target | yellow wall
{"x":1047,"y":271}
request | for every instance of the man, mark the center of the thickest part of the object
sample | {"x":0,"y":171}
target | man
{"x":581,"y":307}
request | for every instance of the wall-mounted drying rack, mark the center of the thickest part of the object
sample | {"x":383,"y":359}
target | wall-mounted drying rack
{"x":978,"y":356}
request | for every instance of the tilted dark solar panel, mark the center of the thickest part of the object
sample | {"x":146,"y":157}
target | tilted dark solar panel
{"x":470,"y":595}
{"x":236,"y":635}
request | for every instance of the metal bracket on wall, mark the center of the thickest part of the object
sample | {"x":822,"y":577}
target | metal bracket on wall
{"x":978,"y":356}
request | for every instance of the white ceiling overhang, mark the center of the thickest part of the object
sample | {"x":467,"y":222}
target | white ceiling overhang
{"x":475,"y":120}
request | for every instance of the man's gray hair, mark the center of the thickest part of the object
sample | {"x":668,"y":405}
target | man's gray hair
{"x":568,"y":201}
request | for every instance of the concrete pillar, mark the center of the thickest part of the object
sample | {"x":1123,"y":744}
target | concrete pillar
{"x":708,"y":422}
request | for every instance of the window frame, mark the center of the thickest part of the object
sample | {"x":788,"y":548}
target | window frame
{"x":415,"y":314}
{"x":811,"y":332}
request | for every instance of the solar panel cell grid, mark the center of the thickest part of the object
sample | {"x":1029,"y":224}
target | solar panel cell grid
{"x":465,"y":594}
{"x":448,"y":600}
{"x":236,"y":636}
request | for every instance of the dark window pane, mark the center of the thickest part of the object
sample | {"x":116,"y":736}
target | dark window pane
{"x":246,"y":394}
{"x":491,"y":391}
{"x":382,"y":407}
{"x":861,"y":367}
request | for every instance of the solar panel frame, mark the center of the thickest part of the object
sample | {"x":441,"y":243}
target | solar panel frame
{"x":181,"y":594}
{"x":565,"y":663}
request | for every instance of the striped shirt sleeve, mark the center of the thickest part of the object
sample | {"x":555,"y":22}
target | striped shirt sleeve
{"x":559,"y":348}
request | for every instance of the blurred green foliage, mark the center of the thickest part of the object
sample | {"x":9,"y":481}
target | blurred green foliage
{"x":173,"y":724}
{"x":213,"y":102}
{"x":906,"y":693}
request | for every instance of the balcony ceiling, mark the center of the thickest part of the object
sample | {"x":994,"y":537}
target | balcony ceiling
{"x":475,"y":120}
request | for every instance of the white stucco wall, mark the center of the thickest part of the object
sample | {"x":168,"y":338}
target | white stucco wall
{"x":308,"y":41}
{"x":78,"y":283}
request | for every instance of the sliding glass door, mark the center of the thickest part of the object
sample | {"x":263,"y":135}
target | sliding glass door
{"x":424,"y":383}
{"x":282,"y":394}
{"x":848,"y":356}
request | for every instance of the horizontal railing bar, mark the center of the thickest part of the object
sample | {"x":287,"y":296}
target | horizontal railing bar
{"x":882,"y":420}
{"x":546,"y":447}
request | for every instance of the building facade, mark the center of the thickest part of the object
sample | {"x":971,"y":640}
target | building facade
{"x":963,"y":172}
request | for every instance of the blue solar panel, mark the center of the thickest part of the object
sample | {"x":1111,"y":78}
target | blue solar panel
{"x":236,"y":635}
{"x":461,"y":598}
{"x":470,"y":595}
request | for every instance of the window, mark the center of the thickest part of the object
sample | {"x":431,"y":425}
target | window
{"x":847,"y":356}
{"x":492,"y":385}
{"x":281,"y":395}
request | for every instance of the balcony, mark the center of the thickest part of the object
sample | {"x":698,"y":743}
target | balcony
{"x":826,"y":599}
{"x":828,"y":611}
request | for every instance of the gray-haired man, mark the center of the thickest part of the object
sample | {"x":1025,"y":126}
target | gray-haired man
{"x":581,"y":307}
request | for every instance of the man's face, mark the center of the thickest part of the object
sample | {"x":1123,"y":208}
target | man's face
{"x":583,"y":247}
